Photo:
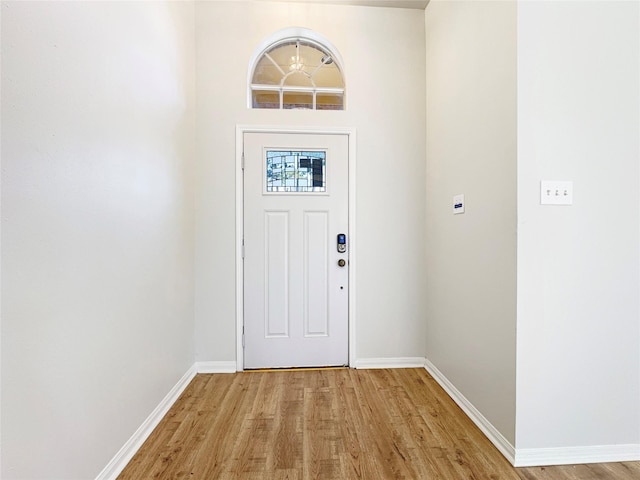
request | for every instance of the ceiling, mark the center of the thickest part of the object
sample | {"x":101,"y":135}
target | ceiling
{"x":417,"y":4}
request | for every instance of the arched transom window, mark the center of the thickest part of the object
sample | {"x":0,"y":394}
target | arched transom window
{"x":297,"y":72}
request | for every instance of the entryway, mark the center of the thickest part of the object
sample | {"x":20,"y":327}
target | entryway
{"x":296,"y":249}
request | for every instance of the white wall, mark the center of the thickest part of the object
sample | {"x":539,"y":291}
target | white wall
{"x":97,"y":226}
{"x":383,"y":52}
{"x":578,"y":277}
{"x":471,"y":150}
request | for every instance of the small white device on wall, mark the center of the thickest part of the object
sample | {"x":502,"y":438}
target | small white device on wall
{"x":458,"y":204}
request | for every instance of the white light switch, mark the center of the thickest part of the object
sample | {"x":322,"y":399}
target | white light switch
{"x":556,"y":192}
{"x":458,"y":204}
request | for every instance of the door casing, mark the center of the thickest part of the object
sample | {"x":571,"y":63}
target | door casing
{"x":351,"y":134}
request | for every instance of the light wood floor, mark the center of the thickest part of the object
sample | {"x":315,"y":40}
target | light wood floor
{"x":330,"y":424}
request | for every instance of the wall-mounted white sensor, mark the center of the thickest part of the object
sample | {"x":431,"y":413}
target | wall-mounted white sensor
{"x":458,"y":204}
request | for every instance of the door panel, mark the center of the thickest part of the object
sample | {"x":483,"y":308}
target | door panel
{"x":277,"y":274}
{"x":316,"y":274}
{"x":295,"y":293}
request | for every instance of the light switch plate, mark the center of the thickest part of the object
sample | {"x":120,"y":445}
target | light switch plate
{"x":458,"y":204}
{"x":556,"y":192}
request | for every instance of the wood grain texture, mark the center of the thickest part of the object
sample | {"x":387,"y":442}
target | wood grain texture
{"x":330,"y":424}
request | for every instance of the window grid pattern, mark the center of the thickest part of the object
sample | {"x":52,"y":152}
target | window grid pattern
{"x":296,"y":171}
{"x":297,"y":74}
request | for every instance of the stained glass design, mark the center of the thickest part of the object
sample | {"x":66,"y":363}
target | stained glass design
{"x":298,"y":171}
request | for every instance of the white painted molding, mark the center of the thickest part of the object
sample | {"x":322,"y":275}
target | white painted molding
{"x":536,"y":457}
{"x":491,"y":432}
{"x":216,"y":367}
{"x":392,"y":362}
{"x":240,"y":131}
{"x":351,"y":133}
{"x":353,"y":250}
{"x":126,"y":453}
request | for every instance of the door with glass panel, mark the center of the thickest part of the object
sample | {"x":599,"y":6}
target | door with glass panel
{"x":295,"y":250}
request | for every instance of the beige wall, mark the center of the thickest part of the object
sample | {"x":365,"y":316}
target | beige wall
{"x":383,"y":52}
{"x":100,"y":300}
{"x":97,"y":227}
{"x":118,"y":227}
{"x":575,"y":380}
{"x":471,"y":150}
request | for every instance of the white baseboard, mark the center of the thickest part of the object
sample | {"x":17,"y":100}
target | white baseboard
{"x":397,"y":362}
{"x":494,"y":436}
{"x":216,"y":367}
{"x":537,"y":457}
{"x":126,"y":453}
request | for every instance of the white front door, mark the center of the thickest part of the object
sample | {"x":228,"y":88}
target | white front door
{"x":295,"y":272}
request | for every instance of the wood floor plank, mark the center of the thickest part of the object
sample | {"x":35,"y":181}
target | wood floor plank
{"x":331,"y":424}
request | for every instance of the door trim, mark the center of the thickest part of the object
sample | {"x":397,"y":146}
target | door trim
{"x":351,"y":135}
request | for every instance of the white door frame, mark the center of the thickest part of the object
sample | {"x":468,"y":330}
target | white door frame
{"x":351,"y":234}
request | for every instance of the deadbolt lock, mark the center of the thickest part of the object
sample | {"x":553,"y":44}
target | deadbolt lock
{"x":341,"y":262}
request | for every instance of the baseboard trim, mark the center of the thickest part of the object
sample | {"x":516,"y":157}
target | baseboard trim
{"x":216,"y":367}
{"x":494,"y":436}
{"x":537,"y":457}
{"x":126,"y":453}
{"x":392,"y":362}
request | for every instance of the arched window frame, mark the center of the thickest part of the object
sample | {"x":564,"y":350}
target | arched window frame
{"x":291,"y":35}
